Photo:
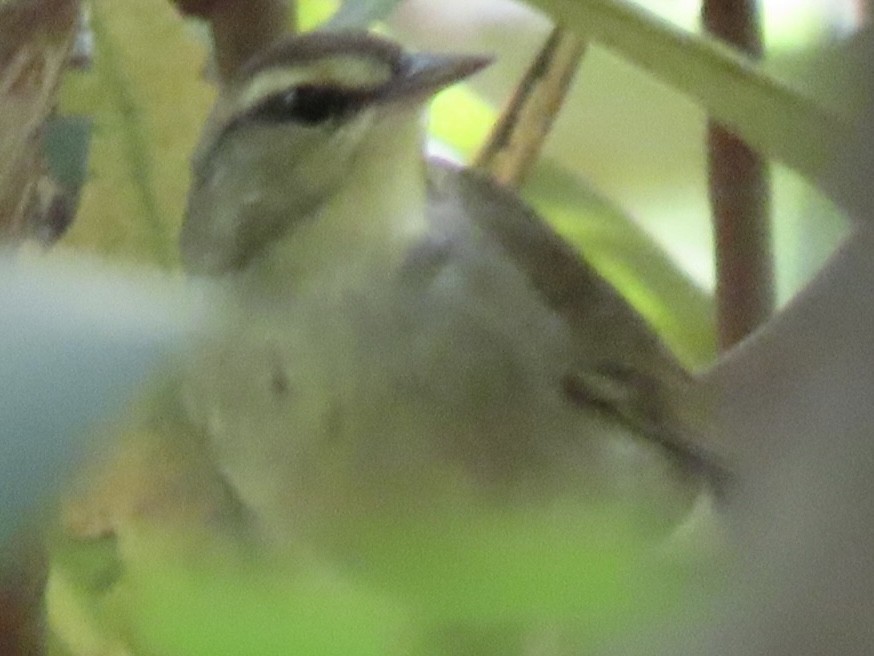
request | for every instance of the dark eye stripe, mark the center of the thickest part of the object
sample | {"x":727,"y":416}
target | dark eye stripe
{"x":306,"y":104}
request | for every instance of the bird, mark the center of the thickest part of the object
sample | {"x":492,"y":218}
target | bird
{"x":394,"y":336}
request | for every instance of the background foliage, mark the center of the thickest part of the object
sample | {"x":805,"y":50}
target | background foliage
{"x":146,"y":97}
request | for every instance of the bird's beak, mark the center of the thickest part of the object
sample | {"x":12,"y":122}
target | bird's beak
{"x":425,"y":74}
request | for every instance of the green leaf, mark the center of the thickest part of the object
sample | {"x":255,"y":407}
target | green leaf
{"x":313,"y":13}
{"x":485,"y":566}
{"x":461,"y":119}
{"x":400,"y":584}
{"x":772,"y":117}
{"x":212,"y":610}
{"x":147,"y":101}
{"x":359,"y":14}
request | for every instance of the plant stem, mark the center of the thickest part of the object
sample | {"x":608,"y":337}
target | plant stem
{"x":240,"y":28}
{"x":518,"y":136}
{"x":739,"y":198}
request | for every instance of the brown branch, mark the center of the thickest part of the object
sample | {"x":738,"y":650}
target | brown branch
{"x":517,"y":138}
{"x":240,"y":28}
{"x":23,"y":572}
{"x":739,"y":198}
{"x":36,"y":37}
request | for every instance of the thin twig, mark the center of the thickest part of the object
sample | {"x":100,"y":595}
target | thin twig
{"x":517,"y":138}
{"x":739,"y":198}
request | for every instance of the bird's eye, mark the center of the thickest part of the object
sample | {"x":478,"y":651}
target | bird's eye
{"x":306,"y":104}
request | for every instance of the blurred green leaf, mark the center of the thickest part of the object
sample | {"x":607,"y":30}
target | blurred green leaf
{"x":359,"y":14}
{"x":461,"y":119}
{"x":213,"y":611}
{"x":313,"y":13}
{"x":147,"y":104}
{"x":500,"y":573}
{"x":486,"y":566}
{"x":772,"y":117}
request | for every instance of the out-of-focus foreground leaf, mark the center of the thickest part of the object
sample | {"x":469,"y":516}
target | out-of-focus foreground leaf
{"x":77,"y":338}
{"x":148,"y":101}
{"x":473,"y":574}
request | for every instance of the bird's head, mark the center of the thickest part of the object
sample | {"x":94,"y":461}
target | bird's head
{"x":297,"y":125}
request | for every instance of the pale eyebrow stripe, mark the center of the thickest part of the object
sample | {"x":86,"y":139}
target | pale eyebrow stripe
{"x":343,"y":71}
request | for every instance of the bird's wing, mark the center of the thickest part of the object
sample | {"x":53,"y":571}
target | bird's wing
{"x":618,"y":363}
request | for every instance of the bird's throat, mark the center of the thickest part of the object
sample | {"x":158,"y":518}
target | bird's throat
{"x":363,"y":232}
